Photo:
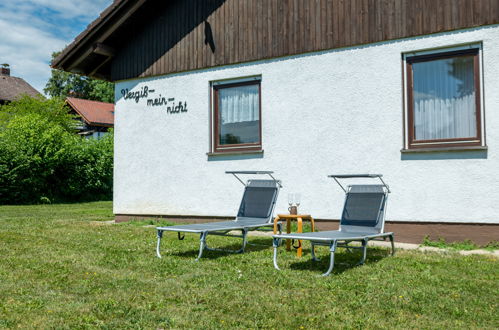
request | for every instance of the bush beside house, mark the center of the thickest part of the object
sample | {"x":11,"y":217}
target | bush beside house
{"x":43,"y":160}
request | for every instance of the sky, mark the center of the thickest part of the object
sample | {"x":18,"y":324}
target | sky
{"x":31,"y":30}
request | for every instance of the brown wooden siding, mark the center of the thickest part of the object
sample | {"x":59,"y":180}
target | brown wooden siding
{"x":186,"y":35}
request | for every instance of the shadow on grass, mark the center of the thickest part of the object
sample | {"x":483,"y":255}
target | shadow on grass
{"x":344,"y":260}
{"x":254,"y":245}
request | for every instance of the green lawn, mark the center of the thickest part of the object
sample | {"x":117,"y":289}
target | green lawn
{"x":60,"y":268}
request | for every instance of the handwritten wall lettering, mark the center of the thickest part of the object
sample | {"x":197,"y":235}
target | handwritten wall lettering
{"x":137,"y":95}
{"x":168,"y":103}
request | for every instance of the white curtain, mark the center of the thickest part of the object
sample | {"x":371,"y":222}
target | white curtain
{"x":239,"y":104}
{"x":444,"y":99}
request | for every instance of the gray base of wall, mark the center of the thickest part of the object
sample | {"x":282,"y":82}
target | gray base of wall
{"x":406,"y":232}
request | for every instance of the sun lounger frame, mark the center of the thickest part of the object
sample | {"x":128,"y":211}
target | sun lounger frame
{"x":223,"y":228}
{"x":347,"y":233}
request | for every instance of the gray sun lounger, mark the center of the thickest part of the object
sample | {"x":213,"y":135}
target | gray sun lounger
{"x":255,"y":211}
{"x":362,"y":219}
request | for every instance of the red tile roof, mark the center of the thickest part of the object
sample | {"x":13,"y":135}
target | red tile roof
{"x":93,"y":112}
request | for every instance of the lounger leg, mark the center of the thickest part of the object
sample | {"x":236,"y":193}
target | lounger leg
{"x":364,"y":252}
{"x":245,"y":239}
{"x":158,"y":244}
{"x":202,"y":244}
{"x":349,"y":250}
{"x":244,"y":236}
{"x":275,"y":243}
{"x":332,"y":249}
{"x":393,"y":244}
{"x":314,"y":258}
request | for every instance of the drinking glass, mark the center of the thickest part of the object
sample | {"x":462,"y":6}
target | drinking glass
{"x":297,"y":199}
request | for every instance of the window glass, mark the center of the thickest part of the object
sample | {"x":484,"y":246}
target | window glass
{"x":239,"y":115}
{"x":444,"y":99}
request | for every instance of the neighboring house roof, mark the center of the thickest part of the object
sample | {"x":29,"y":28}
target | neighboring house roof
{"x":11,"y":88}
{"x":94,"y":113}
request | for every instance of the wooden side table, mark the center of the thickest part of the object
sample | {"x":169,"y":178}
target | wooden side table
{"x":299,"y":218}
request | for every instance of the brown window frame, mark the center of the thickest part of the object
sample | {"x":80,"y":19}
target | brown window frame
{"x":242,"y":147}
{"x":412,"y":143}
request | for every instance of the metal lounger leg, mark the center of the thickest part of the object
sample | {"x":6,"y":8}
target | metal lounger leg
{"x":332,"y":249}
{"x":245,"y":240}
{"x":158,"y":244}
{"x":364,"y":252}
{"x":393,"y":244}
{"x":275,"y":243}
{"x":244,"y":236}
{"x":314,"y":258}
{"x":202,"y":244}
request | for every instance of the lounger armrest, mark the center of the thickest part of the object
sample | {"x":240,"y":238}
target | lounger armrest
{"x":249,"y":172}
{"x":345,"y":176}
{"x":353,"y":176}
{"x":269,"y":173}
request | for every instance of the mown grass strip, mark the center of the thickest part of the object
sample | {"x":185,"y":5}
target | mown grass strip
{"x":59,"y":268}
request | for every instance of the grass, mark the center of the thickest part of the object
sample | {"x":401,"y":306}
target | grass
{"x":62,"y":267}
{"x":464,"y":245}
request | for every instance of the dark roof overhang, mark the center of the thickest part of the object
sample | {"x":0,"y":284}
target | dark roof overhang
{"x":92,"y":50}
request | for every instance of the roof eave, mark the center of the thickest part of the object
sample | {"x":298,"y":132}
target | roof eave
{"x":85,"y":35}
{"x":92,"y":38}
{"x":100,"y":124}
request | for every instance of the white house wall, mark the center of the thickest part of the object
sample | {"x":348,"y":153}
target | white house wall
{"x":338,"y":111}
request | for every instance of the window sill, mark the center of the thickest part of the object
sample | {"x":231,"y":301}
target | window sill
{"x":444,"y":149}
{"x":232,"y":153}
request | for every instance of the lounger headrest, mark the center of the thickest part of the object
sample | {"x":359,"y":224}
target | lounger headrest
{"x":262,"y":183}
{"x":366,"y":188}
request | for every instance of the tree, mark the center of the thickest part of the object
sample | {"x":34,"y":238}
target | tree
{"x":43,"y":160}
{"x":54,"y":109}
{"x":63,"y":84}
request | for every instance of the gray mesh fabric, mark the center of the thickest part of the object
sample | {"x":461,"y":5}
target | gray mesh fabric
{"x":217,"y":226}
{"x":257,"y":202}
{"x":366,"y":188}
{"x":362,"y":206}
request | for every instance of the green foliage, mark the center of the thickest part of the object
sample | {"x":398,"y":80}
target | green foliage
{"x":91,"y":164}
{"x":54,"y":110}
{"x":463,"y":245}
{"x":63,"y":84}
{"x":494,"y":245}
{"x":42,"y":159}
{"x":100,"y":90}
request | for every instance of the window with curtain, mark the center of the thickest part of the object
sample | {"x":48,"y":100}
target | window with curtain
{"x":444,"y":99}
{"x":237,"y":116}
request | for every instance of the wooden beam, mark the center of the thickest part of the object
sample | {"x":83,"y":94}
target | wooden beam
{"x":101,"y":49}
{"x":102,"y":37}
{"x":93,"y":73}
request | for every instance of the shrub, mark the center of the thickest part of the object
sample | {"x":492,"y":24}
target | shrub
{"x":42,"y":160}
{"x":91,"y":170}
{"x":55,"y":110}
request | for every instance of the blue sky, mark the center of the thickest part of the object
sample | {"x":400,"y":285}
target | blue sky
{"x":30,"y":30}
